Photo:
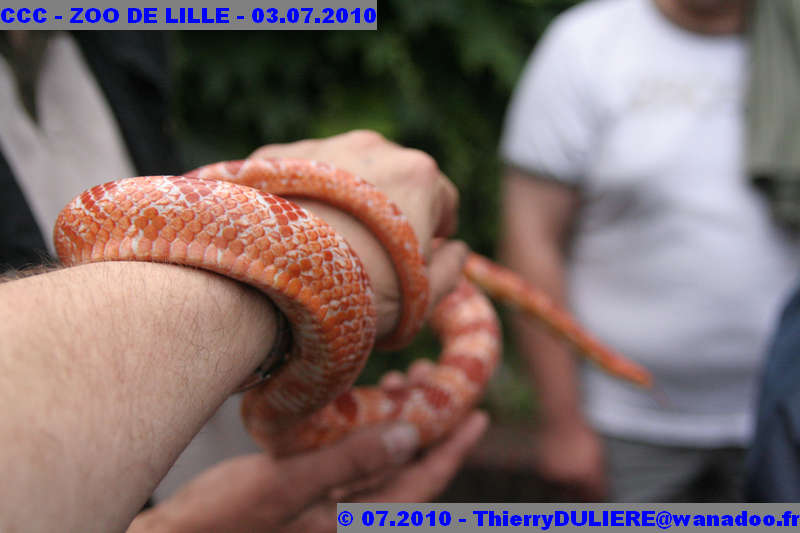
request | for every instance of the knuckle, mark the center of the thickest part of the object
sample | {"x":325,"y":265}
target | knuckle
{"x":263,"y":152}
{"x":422,"y":365}
{"x":305,"y":145}
{"x":294,"y":149}
{"x":451,"y":191}
{"x":458,"y":249}
{"x":423,"y":165}
{"x":367,"y":137}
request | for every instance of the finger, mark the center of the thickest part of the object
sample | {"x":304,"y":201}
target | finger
{"x":345,"y":492}
{"x":426,"y":478}
{"x":446,"y":208}
{"x":392,"y":380}
{"x":358,"y":456}
{"x":420,"y":369}
{"x":444,"y":271}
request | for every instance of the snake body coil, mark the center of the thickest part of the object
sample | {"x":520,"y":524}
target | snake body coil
{"x":229,"y":219}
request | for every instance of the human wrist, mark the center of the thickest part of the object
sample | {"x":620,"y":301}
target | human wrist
{"x":373,"y":256}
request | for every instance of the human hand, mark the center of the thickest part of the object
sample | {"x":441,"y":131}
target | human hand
{"x":569,"y":456}
{"x":258,"y":493}
{"x":419,"y":481}
{"x":413,"y":181}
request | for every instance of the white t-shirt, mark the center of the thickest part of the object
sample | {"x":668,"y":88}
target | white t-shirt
{"x":675,"y":261}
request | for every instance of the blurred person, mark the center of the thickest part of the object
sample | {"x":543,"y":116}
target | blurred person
{"x":773,"y":156}
{"x":626,"y":198}
{"x":82,"y":109}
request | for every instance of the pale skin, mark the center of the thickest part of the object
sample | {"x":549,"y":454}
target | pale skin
{"x":537,"y":216}
{"x":108,"y":370}
{"x":709,"y":17}
{"x":412,"y":180}
{"x":251,"y":493}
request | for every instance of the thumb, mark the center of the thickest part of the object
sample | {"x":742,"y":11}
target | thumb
{"x":445,"y":267}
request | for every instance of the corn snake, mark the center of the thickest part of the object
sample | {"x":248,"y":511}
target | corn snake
{"x":231,"y":218}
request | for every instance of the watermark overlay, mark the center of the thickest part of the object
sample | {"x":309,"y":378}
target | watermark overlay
{"x":358,"y":517}
{"x":184,"y":15}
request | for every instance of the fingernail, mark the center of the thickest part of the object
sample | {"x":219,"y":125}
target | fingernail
{"x":401,"y":441}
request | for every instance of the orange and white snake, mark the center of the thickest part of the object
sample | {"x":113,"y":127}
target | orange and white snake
{"x":232,"y":218}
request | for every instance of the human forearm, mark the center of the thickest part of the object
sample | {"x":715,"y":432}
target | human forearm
{"x":537,"y":215}
{"x":536,"y":219}
{"x":112,"y":368}
{"x":551,"y":367}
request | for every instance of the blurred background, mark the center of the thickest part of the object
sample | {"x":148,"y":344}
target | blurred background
{"x":437,"y":76}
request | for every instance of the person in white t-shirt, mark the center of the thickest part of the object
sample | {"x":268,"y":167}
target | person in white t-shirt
{"x":626,"y":198}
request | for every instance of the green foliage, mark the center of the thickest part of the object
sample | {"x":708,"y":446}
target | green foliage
{"x":436,"y":76}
